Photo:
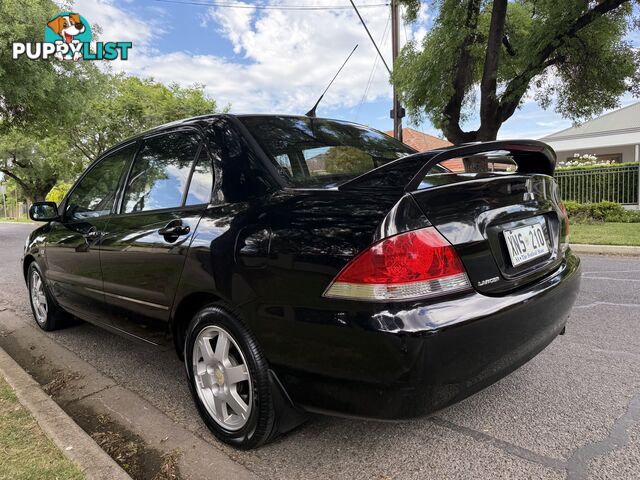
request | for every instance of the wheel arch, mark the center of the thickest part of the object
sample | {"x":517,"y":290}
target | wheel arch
{"x":184,"y":311}
{"x":26,"y":262}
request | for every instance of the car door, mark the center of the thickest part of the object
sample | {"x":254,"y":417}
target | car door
{"x":72,"y":252}
{"x":144,"y":247}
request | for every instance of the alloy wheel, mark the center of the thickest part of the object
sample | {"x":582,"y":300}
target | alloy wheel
{"x":38,"y":297}
{"x":222,"y":378}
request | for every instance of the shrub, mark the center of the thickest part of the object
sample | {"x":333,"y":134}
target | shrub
{"x":600,"y":212}
{"x":57,"y":193}
{"x":583,"y":160}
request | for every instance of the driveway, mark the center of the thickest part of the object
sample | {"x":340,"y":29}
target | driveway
{"x":572,"y":412}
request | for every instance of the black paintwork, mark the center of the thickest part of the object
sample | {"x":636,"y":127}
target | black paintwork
{"x":268,"y":252}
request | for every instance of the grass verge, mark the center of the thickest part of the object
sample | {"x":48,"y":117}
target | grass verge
{"x":13,"y":220}
{"x":25,"y":451}
{"x":606,"y":233}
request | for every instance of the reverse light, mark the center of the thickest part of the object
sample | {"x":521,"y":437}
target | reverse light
{"x":411,"y":265}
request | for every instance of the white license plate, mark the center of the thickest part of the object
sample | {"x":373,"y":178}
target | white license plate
{"x":526,"y":243}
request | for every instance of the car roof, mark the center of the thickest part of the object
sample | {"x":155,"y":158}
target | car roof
{"x":192,"y":120}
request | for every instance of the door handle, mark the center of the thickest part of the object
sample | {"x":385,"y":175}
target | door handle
{"x":92,"y":234}
{"x":174,"y":229}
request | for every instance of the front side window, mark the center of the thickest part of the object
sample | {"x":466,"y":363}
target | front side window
{"x":95,"y":194}
{"x":160,"y":172}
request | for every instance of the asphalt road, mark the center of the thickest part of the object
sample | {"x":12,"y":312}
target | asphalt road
{"x":572,"y":412}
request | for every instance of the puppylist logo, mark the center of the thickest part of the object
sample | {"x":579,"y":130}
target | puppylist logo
{"x":67,"y":36}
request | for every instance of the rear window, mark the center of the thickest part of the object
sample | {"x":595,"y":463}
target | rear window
{"x":313,"y":152}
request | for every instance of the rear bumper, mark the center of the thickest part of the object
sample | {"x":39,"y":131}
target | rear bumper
{"x":400,"y":363}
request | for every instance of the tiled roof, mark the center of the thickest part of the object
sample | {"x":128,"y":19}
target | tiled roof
{"x":423,"y":142}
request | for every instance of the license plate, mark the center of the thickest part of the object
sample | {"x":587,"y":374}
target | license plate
{"x":526,"y":243}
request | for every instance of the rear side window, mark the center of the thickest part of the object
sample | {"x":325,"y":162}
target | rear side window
{"x":94,"y":196}
{"x":201,"y":180}
{"x":314,"y":152}
{"x":160,"y":172}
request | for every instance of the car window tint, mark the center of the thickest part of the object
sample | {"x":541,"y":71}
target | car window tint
{"x":201,"y":181}
{"x":314,"y":152}
{"x":96,"y":192}
{"x":160,"y":172}
{"x":284,"y":163}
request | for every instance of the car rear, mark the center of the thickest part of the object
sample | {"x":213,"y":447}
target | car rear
{"x":467,"y":275}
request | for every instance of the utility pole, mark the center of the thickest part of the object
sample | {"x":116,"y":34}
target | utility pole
{"x":397,"y":113}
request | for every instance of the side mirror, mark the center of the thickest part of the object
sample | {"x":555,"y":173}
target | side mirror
{"x":43,"y":211}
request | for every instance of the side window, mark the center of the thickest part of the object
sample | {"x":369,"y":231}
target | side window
{"x":161,"y":172}
{"x":284,"y":163}
{"x":95,"y":194}
{"x":201,"y":181}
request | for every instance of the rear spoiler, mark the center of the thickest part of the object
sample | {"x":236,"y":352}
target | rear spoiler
{"x":530,"y":156}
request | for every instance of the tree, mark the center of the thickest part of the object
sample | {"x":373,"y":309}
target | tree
{"x":344,"y":159}
{"x":572,"y":52}
{"x":122,"y":106}
{"x":37,"y":163}
{"x":31,"y":90}
{"x":56,"y":116}
{"x":39,"y":156}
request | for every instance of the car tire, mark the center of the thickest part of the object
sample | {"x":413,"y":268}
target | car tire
{"x":229,"y":378}
{"x":46,"y":312}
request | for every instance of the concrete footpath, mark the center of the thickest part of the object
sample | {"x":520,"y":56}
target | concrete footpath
{"x":87,"y":396}
{"x":606,"y":249}
{"x":79,"y":447}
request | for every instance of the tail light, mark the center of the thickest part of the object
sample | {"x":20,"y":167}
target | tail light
{"x":411,"y":265}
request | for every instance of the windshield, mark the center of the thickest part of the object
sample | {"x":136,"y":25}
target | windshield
{"x":314,"y":152}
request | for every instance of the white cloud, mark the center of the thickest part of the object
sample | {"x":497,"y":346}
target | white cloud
{"x":284,"y":59}
{"x":291,"y":55}
{"x":114,"y":23}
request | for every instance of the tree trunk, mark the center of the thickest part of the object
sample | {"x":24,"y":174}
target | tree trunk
{"x":38,"y":193}
{"x":463,"y":77}
{"x":489,"y":104}
{"x":495,"y":111}
{"x":32,"y":193}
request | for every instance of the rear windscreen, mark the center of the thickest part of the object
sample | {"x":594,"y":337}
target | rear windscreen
{"x":313,"y":152}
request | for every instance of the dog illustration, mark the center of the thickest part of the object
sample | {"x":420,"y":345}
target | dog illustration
{"x":67,"y":26}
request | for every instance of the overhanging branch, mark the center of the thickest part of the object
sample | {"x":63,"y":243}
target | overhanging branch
{"x":518,"y":86}
{"x":18,"y":180}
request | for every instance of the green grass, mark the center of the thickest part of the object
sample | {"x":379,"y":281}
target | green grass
{"x":21,"y":219}
{"x":25,"y":451}
{"x":606,"y":233}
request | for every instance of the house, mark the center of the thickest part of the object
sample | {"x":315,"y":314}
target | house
{"x":614,"y":136}
{"x":423,"y":142}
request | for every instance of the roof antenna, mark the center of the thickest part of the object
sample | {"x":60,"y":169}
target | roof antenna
{"x":312,"y":113}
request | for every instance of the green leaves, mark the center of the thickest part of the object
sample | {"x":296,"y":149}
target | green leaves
{"x":30,"y":90}
{"x":121,"y":106}
{"x":571,"y":54}
{"x":56,"y":116}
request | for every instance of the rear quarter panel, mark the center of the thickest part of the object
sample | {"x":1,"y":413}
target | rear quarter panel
{"x":273,"y":258}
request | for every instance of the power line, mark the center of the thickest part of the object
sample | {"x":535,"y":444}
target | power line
{"x":364,"y":24}
{"x":383,"y":42}
{"x":222,"y":4}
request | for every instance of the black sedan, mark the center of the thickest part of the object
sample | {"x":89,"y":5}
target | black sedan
{"x":308,"y":265}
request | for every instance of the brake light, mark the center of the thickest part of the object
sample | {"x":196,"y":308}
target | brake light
{"x":411,"y":265}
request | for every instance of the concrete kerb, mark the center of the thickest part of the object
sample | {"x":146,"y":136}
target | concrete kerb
{"x":74,"y":442}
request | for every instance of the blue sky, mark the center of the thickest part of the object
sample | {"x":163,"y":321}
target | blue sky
{"x":269,"y":60}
